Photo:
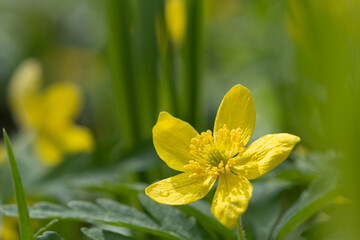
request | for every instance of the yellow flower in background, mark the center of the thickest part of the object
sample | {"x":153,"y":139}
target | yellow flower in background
{"x":204,"y":157}
{"x":9,"y":229}
{"x":49,"y":113}
{"x":175,"y":17}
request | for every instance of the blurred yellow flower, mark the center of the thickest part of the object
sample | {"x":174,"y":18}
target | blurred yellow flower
{"x":175,"y":19}
{"x":9,"y":229}
{"x":49,"y":113}
{"x":203,"y":157}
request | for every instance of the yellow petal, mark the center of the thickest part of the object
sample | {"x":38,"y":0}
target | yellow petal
{"x":175,"y":16}
{"x":172,"y":138}
{"x":22,"y":91}
{"x":49,"y":151}
{"x":180,"y":189}
{"x":61,"y":103}
{"x":231,"y":199}
{"x":237,"y":110}
{"x":265,"y":154}
{"x":76,"y":139}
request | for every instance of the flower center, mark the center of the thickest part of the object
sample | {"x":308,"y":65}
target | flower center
{"x":215,"y":154}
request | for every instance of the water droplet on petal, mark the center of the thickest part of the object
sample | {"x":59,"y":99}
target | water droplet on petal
{"x":164,"y":193}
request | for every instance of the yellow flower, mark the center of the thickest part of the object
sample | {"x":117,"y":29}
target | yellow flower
{"x":175,"y":19}
{"x":9,"y":229}
{"x":49,"y":113}
{"x":204,"y":157}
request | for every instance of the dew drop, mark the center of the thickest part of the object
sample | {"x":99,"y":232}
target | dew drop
{"x":164,"y":193}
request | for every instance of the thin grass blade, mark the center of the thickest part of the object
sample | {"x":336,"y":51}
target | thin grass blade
{"x":26,"y":232}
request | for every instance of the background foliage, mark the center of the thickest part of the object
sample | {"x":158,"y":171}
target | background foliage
{"x":299,"y":58}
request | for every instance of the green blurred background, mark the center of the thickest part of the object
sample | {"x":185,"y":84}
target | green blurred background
{"x":299,"y":58}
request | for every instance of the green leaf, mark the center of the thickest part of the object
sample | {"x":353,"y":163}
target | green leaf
{"x":124,"y":189}
{"x":321,"y":191}
{"x":49,"y":236}
{"x":295,"y":176}
{"x":128,"y":215}
{"x":146,"y":64}
{"x":174,"y":220}
{"x":107,"y":212}
{"x":102,"y":234}
{"x":26,"y":232}
{"x":46,"y":227}
{"x":192,"y":54}
{"x":201,"y":211}
{"x":264,"y":208}
{"x":122,"y":69}
{"x":321,"y":230}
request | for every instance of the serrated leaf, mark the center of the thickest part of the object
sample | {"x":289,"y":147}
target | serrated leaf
{"x":201,"y":211}
{"x":101,"y":234}
{"x":85,"y":209}
{"x":104,"y":212}
{"x":321,"y":191}
{"x":49,"y":236}
{"x":124,"y":189}
{"x":117,"y":211}
{"x":264,"y":208}
{"x":174,"y":220}
{"x":26,"y":232}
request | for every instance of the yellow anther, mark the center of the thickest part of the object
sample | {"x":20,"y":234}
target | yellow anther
{"x":193,"y":175}
{"x":227,"y":169}
{"x":230,"y":162}
{"x":227,"y":153}
{"x":215,"y":154}
{"x":203,"y":134}
{"x":193,"y":165}
{"x":196,"y":174}
{"x":221,"y":164}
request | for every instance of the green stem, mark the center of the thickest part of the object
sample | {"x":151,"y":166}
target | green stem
{"x":241,"y":235}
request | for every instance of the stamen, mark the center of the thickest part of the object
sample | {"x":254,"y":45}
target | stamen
{"x":215,"y":154}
